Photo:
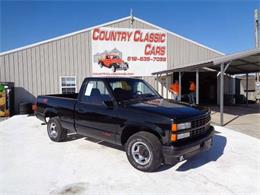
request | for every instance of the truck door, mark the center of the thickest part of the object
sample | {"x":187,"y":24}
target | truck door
{"x":92,"y":117}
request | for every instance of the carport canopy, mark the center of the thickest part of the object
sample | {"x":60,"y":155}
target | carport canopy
{"x":238,"y":63}
{"x":241,"y":63}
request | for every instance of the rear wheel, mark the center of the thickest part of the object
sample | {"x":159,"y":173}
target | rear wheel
{"x":113,"y":66}
{"x":127,"y":66}
{"x":143,"y":151}
{"x":55,"y":131}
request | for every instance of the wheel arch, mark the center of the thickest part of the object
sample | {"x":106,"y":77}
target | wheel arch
{"x":112,"y":64}
{"x":129,"y":130}
{"x":50,"y":112}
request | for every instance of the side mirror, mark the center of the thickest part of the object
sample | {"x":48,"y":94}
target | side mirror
{"x":109,"y":104}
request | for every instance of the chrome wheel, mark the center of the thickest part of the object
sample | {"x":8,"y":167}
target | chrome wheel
{"x":53,"y":130}
{"x":113,"y":68}
{"x":141,"y":153}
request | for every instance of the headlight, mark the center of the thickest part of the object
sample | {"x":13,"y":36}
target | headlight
{"x":177,"y":127}
{"x":184,"y":126}
{"x":181,"y":126}
{"x":183,"y":135}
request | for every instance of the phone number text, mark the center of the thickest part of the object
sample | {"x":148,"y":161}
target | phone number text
{"x":146,"y":59}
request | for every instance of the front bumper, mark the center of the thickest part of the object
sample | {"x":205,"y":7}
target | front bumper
{"x":174,"y":154}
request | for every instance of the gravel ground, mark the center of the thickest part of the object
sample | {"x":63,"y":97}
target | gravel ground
{"x":32,"y":164}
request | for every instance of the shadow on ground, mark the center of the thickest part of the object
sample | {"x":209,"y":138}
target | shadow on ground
{"x":238,"y":109}
{"x":232,"y":112}
{"x":217,"y":150}
{"x":72,"y":137}
{"x":103,"y":143}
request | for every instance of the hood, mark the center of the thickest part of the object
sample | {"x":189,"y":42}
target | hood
{"x":169,"y":108}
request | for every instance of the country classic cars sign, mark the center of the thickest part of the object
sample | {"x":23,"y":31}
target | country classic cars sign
{"x":129,"y":52}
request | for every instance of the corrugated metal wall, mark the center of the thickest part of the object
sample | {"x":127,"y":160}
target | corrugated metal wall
{"x":183,"y":52}
{"x":37,"y":70}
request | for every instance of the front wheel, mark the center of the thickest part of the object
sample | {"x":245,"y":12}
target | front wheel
{"x":143,"y":151}
{"x":55,"y":131}
{"x":113,"y":68}
{"x":100,"y":64}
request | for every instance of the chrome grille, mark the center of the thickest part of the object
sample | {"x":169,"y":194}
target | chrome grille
{"x":200,"y":125}
{"x":200,"y":122}
{"x":198,"y":132}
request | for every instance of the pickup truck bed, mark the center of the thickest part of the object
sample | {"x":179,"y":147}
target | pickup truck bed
{"x":61,"y":105}
{"x":129,"y":112}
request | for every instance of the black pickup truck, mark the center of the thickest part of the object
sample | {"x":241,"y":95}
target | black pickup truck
{"x":130,"y":113}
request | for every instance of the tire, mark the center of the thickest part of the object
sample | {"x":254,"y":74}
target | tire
{"x":100,"y":64}
{"x":55,"y":131}
{"x":113,"y":66}
{"x":127,"y":66}
{"x":150,"y":151}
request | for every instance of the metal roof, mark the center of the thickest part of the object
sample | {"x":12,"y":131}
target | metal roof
{"x":106,"y":24}
{"x":241,"y":62}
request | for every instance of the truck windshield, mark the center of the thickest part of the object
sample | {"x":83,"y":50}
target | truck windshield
{"x":131,"y":89}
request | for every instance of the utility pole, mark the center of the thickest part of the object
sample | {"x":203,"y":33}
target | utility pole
{"x":132,"y":17}
{"x":257,"y":36}
{"x":256,"y":28}
{"x":257,"y":93}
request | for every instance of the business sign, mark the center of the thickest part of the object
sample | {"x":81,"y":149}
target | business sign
{"x":128,"y":52}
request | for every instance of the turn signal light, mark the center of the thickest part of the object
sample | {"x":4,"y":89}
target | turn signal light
{"x":173,"y":137}
{"x":174,"y":127}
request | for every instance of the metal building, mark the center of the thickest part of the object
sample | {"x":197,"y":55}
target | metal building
{"x":60,"y":64}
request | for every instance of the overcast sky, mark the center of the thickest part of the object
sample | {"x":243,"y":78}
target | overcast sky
{"x":227,"y":26}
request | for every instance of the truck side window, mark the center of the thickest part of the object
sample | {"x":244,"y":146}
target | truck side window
{"x":95,"y":93}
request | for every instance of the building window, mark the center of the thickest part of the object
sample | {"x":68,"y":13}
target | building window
{"x":68,"y":84}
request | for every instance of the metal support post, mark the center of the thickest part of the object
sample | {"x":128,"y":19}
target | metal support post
{"x":247,"y":89}
{"x":227,"y":65}
{"x":157,"y":83}
{"x":222,"y":95}
{"x":161,"y":85}
{"x":167,"y":84}
{"x":179,"y":86}
{"x":197,"y":86}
